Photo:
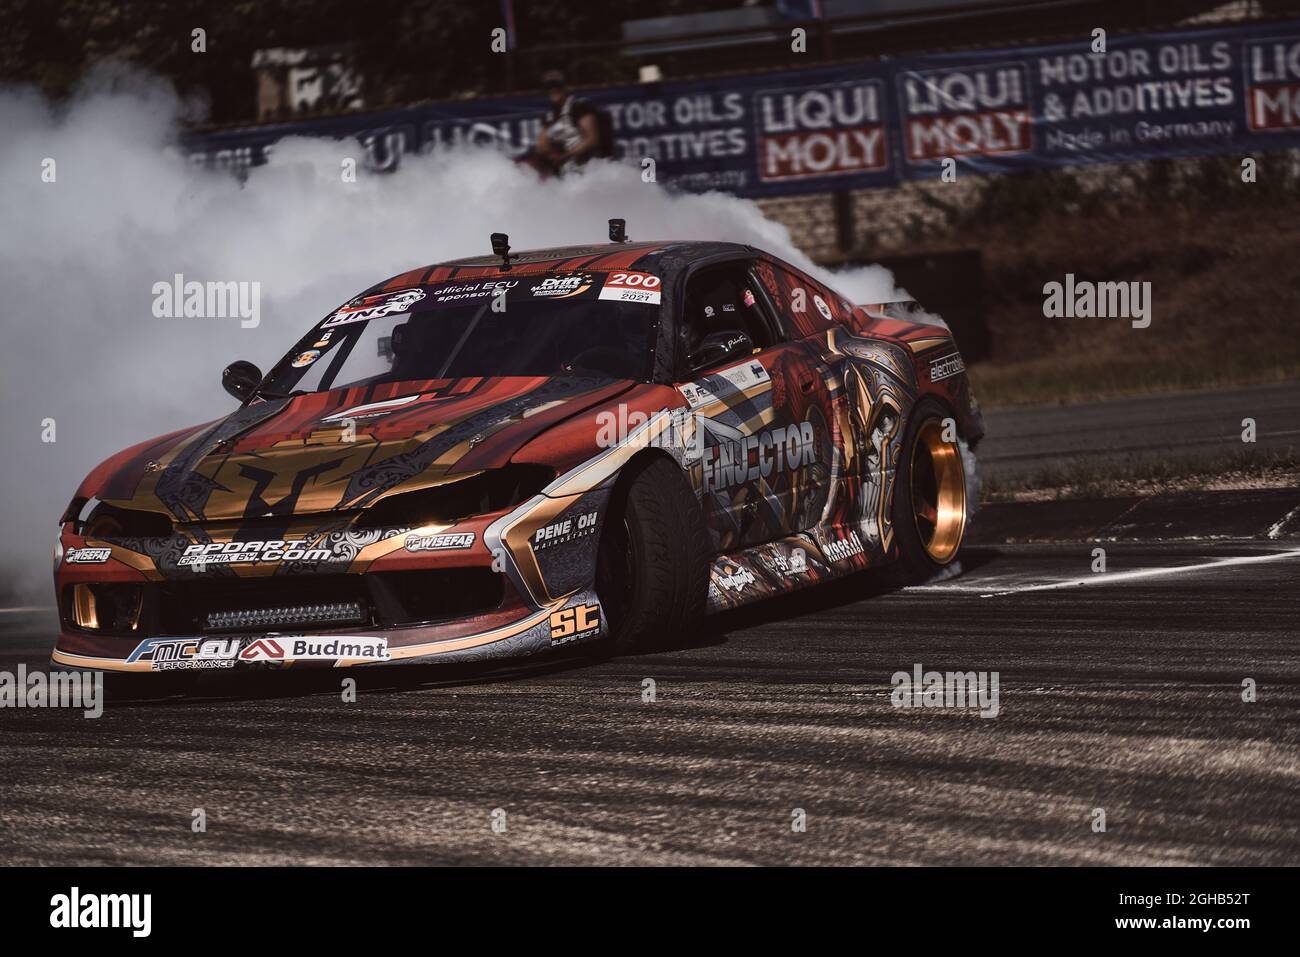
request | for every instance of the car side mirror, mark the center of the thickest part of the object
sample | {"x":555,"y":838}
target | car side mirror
{"x":240,"y":379}
{"x":719,"y":346}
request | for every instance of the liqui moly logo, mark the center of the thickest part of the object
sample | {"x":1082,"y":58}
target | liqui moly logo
{"x":835,"y":130}
{"x":963,"y":111}
{"x":1273,"y":84}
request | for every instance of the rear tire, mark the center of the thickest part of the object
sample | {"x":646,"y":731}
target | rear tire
{"x":930,"y":508}
{"x":652,"y":566}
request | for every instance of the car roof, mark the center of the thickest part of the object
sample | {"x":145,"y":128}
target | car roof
{"x":561,"y":254}
{"x":663,"y":258}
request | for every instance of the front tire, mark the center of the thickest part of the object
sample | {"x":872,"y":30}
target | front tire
{"x":652,"y":567}
{"x":930,"y":500}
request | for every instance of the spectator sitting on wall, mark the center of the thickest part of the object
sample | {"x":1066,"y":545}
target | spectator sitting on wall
{"x":573,"y":131}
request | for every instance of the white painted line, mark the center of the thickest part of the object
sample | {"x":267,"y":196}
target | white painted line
{"x":28,"y":608}
{"x":1110,"y":578}
{"x":1275,"y":531}
{"x":976,"y":587}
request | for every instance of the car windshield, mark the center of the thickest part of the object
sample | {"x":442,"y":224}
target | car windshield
{"x":586,"y":324}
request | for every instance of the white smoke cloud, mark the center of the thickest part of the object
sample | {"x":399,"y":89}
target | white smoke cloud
{"x":79,"y":257}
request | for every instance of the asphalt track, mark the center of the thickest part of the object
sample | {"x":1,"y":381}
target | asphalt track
{"x":1119,"y":691}
{"x":1023,"y":440}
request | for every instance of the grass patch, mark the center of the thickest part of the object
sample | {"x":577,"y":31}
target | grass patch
{"x":1056,"y":379}
{"x":1225,"y":298}
{"x":1147,"y":475}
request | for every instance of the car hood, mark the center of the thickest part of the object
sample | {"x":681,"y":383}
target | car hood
{"x":340,"y":450}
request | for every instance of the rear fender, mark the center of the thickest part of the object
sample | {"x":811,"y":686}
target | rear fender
{"x":940,"y":369}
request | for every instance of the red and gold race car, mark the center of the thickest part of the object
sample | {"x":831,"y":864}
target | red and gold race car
{"x":499,"y":455}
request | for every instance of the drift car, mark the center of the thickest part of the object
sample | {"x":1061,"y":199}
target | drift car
{"x":499,"y":455}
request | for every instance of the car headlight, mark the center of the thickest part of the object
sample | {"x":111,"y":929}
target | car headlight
{"x":96,"y":519}
{"x":110,"y":608}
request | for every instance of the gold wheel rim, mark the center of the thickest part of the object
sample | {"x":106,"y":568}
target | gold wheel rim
{"x":938,"y":492}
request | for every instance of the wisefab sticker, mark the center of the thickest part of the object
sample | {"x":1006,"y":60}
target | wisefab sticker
{"x":632,"y":287}
{"x":87,"y":556}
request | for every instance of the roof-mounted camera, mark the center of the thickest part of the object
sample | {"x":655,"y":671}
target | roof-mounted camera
{"x":501,"y":247}
{"x":618,"y":230}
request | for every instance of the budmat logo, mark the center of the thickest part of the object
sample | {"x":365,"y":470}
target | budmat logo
{"x":303,"y":648}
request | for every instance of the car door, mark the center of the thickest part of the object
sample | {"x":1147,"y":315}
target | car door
{"x":763,"y":437}
{"x":872,"y":385}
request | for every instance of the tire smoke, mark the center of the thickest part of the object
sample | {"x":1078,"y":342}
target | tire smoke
{"x":101,"y":204}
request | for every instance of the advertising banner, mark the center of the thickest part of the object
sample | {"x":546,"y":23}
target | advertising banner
{"x":1195,"y":92}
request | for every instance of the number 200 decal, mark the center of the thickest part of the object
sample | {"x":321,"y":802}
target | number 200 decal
{"x":632,"y":287}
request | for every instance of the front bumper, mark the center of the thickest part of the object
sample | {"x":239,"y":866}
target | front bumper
{"x":520,"y":634}
{"x":416,"y":595}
